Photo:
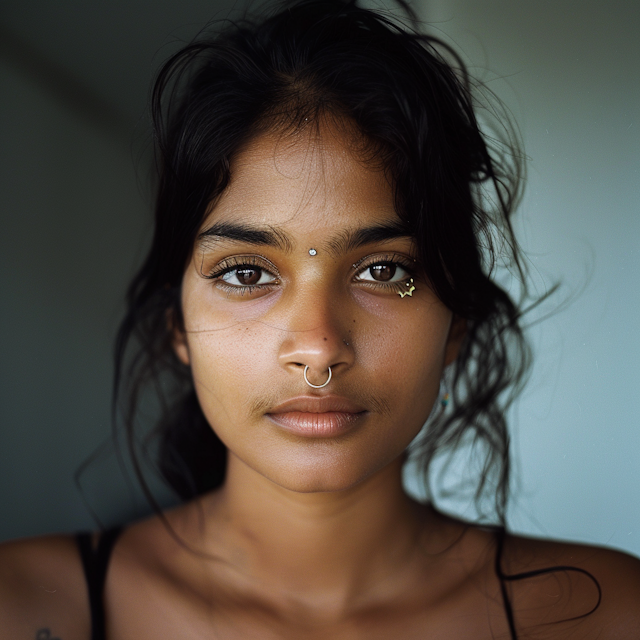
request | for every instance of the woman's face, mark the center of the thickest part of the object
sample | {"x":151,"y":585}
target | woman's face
{"x":302,"y":263}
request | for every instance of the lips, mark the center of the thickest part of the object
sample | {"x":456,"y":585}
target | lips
{"x":317,"y":417}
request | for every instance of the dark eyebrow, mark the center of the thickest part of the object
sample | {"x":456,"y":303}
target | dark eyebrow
{"x":352,"y":239}
{"x":240,"y":232}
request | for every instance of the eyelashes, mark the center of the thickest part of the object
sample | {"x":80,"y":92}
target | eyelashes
{"x":246,"y":274}
{"x":390,"y":271}
{"x":243,"y":274}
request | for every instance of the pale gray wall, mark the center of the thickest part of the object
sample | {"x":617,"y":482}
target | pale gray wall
{"x":568,"y":70}
{"x":74,"y":223}
{"x":73,"y":218}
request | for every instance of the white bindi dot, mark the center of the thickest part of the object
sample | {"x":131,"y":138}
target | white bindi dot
{"x":312,"y":252}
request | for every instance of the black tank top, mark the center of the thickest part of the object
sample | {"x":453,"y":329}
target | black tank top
{"x":95,"y":563}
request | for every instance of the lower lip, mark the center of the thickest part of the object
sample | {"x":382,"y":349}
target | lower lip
{"x":316,"y":425}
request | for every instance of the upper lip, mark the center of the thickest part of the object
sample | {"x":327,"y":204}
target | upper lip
{"x":314,"y":404}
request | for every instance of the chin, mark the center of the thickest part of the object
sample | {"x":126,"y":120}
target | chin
{"x":319,"y":485}
{"x":322,"y":476}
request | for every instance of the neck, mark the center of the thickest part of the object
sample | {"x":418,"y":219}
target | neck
{"x":327,"y":545}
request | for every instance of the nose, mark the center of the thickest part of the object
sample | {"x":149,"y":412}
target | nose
{"x":316,"y":338}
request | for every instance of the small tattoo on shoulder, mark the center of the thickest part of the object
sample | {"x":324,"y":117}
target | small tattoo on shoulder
{"x":45,"y":634}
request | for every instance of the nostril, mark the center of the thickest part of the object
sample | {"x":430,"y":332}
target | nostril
{"x":298,"y":364}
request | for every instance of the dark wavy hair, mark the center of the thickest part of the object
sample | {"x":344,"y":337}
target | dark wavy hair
{"x":456,"y":185}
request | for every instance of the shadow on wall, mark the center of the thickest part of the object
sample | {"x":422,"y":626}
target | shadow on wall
{"x":73,"y":218}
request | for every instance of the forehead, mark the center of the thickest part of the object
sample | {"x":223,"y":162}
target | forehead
{"x":305,"y":181}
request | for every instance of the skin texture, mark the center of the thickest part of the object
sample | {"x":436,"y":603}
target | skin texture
{"x":313,"y":537}
{"x":247,"y":349}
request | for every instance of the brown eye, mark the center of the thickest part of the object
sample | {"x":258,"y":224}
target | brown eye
{"x":248,"y":275}
{"x":383,"y":272}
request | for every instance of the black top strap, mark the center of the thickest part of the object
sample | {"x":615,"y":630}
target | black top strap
{"x":513,"y":577}
{"x":502,"y":577}
{"x":95,"y":563}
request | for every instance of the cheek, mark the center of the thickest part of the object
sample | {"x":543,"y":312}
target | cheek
{"x":235,"y":351}
{"x":224,"y":337}
{"x":226,"y":365}
{"x":404,"y":349}
{"x":409,"y":335}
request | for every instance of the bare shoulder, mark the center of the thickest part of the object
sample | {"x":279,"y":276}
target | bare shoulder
{"x":42,"y":590}
{"x":561,"y":589}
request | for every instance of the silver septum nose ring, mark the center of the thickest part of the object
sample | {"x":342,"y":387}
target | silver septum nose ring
{"x":316,"y":386}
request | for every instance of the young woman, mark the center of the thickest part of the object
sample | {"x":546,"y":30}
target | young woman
{"x":318,"y":288}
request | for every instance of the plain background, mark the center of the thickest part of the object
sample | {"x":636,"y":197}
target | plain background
{"x":74,"y":212}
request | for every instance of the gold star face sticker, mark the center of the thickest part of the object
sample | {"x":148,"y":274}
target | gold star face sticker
{"x":412,"y":288}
